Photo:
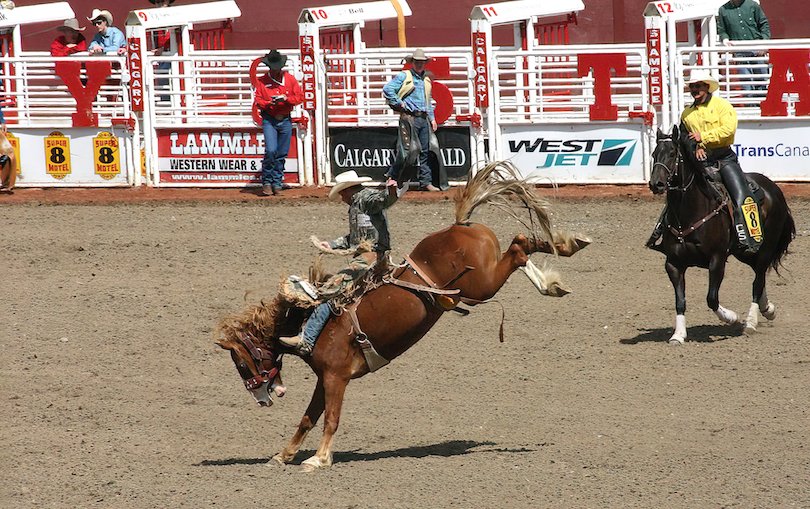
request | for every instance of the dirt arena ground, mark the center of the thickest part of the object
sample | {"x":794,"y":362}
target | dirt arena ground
{"x":115,"y":396}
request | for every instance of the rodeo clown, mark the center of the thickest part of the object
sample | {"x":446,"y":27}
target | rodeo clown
{"x":712,"y":122}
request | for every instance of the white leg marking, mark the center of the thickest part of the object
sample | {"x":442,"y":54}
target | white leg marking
{"x":769,"y":312}
{"x":679,"y":336}
{"x":727,"y":316}
{"x":315,"y":463}
{"x":753,"y":319}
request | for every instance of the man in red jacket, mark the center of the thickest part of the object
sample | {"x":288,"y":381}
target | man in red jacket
{"x":278,"y":92}
{"x":70,"y":39}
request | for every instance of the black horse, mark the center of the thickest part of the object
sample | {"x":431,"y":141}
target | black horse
{"x":698,"y":230}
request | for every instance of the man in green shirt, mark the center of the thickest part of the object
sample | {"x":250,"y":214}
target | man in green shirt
{"x":744,"y":20}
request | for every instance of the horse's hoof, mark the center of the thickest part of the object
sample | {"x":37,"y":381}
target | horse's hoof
{"x":555,"y":290}
{"x":278,"y":459}
{"x":769,"y":313}
{"x":307,"y":468}
{"x":676,"y":340}
{"x":749,"y":329}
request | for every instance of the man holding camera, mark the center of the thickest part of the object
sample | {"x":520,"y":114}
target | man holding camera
{"x":276,"y":95}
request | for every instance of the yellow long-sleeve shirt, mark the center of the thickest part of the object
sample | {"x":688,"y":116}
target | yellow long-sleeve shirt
{"x":715,"y":120}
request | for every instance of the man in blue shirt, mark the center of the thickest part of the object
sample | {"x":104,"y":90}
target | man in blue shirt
{"x":108,"y":39}
{"x":409,"y":93}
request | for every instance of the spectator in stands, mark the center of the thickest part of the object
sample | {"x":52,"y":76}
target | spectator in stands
{"x":70,"y":40}
{"x":277,"y":93}
{"x":108,"y":39}
{"x":162,"y":44}
{"x":409,"y":94}
{"x":744,"y":20}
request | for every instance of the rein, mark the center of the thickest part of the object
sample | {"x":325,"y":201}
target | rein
{"x":258,"y":355}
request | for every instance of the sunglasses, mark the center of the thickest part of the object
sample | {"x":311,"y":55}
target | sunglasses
{"x":98,"y":22}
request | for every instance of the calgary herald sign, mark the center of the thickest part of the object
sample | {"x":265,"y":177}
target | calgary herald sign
{"x":216,"y":156}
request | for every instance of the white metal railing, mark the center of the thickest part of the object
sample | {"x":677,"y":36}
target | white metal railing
{"x":542,"y":85}
{"x":354,"y":84}
{"x":42,"y":99}
{"x":207,"y":88}
{"x":742,"y":70}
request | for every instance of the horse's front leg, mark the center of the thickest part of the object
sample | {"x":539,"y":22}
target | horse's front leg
{"x":334,"y":389}
{"x":759,"y":301}
{"x":308,"y":421}
{"x":677,"y":278}
{"x":717,"y":270}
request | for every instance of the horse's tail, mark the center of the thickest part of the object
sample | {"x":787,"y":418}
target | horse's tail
{"x":787,"y":235}
{"x":493,"y":184}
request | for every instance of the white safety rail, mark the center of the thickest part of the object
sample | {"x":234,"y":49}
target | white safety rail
{"x":208,"y":88}
{"x":355,"y":94}
{"x":543,"y":85}
{"x":57,"y":145}
{"x":538,"y":95}
{"x":776,"y":145}
{"x":209,"y":93}
{"x":743,"y":71}
{"x":42,"y":98}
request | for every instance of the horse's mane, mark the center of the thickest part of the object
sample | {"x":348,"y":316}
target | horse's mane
{"x":494,"y":184}
{"x":257,"y":321}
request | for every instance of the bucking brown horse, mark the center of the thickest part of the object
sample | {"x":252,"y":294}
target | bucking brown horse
{"x":461,"y":263}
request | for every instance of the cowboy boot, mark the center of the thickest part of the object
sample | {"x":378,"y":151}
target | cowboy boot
{"x":747,"y":220}
{"x":297,"y":343}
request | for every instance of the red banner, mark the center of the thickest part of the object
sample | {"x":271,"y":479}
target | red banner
{"x":655,"y":78}
{"x":135,"y":63}
{"x":306,"y":44}
{"x":479,"y":40}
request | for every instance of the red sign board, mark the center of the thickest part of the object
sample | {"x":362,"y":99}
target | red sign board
{"x":216,"y":156}
{"x":306,"y":44}
{"x":655,"y":79}
{"x":135,"y":63}
{"x":479,"y":40}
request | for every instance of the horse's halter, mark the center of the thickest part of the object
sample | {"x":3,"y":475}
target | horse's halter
{"x":259,"y":356}
{"x":672,"y":171}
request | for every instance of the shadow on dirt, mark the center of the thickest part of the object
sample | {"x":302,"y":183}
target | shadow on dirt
{"x":443,"y":449}
{"x":696,"y":334}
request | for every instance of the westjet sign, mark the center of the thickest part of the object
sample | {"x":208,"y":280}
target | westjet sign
{"x":576,"y":153}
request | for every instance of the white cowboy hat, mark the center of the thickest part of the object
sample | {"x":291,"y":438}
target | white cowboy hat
{"x":418,"y":55}
{"x":71,"y":24}
{"x":704,"y":76}
{"x":99,"y":13}
{"x":346,"y":180}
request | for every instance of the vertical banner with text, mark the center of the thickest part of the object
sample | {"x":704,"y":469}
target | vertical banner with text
{"x":481,"y":71}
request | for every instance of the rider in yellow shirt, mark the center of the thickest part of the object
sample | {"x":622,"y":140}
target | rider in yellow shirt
{"x":712,"y":122}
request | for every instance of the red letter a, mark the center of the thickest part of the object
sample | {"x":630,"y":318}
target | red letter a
{"x":784,"y":60}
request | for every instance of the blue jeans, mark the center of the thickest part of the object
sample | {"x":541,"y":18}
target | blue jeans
{"x":316,"y":323}
{"x":753,"y":72}
{"x":277,"y":137}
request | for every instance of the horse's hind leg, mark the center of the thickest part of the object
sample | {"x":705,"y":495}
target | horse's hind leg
{"x":308,"y":421}
{"x":677,"y":277}
{"x":334,"y":389}
{"x":717,"y":270}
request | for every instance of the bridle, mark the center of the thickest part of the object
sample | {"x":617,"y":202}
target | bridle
{"x":671,"y":172}
{"x":258,"y":356}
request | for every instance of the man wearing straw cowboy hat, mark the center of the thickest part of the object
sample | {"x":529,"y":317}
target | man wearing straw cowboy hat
{"x":409,"y":93}
{"x":108,"y":39}
{"x":276,"y":94}
{"x":70,"y":39}
{"x":367,"y":222}
{"x":712,"y":122}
